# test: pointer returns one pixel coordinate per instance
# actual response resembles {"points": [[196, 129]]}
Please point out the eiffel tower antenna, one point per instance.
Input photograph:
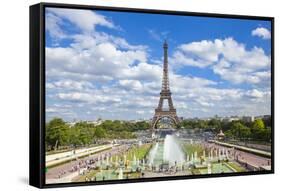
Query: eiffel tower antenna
{"points": [[165, 94]]}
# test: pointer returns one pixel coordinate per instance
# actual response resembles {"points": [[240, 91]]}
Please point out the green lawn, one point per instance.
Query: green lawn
{"points": [[195, 171], [139, 151], [236, 166], [108, 174], [191, 148], [82, 178]]}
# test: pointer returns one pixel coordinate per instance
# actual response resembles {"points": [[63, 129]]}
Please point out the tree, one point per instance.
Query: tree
{"points": [[56, 133], [141, 125], [214, 124], [258, 130], [267, 121], [86, 132], [267, 134], [238, 130], [74, 137], [100, 132], [202, 124], [258, 124]]}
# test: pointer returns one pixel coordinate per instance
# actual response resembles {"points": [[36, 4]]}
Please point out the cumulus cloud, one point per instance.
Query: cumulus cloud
{"points": [[227, 58], [102, 60], [262, 32], [102, 75], [131, 84], [68, 84], [53, 23], [86, 20]]}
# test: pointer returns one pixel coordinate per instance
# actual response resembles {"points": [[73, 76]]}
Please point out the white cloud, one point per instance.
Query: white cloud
{"points": [[58, 110], [122, 43], [137, 85], [179, 82], [53, 26], [227, 58], [87, 97], [140, 112], [131, 84], [100, 75], [69, 85], [206, 50], [51, 110], [85, 41], [256, 94], [86, 20], [102, 60], [262, 32], [155, 35]]}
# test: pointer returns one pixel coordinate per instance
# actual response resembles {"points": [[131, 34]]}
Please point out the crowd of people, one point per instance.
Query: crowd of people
{"points": [[92, 162]]}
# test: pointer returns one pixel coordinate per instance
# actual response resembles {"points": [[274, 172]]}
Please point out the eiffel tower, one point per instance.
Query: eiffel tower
{"points": [[165, 94]]}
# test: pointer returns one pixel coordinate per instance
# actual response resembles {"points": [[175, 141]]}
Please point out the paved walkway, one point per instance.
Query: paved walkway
{"points": [[243, 148], [251, 159], [148, 174], [66, 156], [64, 172], [64, 179]]}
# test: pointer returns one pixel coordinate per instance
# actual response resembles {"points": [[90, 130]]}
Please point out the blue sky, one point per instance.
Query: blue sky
{"points": [[109, 64]]}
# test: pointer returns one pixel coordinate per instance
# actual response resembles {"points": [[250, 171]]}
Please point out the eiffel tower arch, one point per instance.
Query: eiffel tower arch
{"points": [[165, 94]]}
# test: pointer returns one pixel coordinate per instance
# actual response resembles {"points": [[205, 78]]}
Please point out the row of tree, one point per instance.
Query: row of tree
{"points": [[59, 133], [259, 129]]}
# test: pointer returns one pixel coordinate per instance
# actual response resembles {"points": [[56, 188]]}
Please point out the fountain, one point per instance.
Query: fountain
{"points": [[226, 154], [134, 160], [107, 160], [195, 156], [209, 168], [116, 161], [98, 162], [120, 174], [102, 161], [125, 158], [152, 153], [217, 153], [172, 151]]}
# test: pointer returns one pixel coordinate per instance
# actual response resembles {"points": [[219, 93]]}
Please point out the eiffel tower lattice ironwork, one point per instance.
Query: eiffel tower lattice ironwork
{"points": [[165, 94]]}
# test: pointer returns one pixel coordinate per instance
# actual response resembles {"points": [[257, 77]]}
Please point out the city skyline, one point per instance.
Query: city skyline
{"points": [[100, 64]]}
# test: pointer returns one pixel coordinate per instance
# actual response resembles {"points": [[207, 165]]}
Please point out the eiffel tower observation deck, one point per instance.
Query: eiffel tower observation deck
{"points": [[165, 94]]}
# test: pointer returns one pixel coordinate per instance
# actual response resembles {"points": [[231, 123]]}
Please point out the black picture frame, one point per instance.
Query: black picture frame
{"points": [[37, 92]]}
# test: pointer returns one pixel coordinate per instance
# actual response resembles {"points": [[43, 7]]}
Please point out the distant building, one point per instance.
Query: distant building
{"points": [[265, 117], [97, 122], [220, 135], [248, 118], [230, 119], [71, 124]]}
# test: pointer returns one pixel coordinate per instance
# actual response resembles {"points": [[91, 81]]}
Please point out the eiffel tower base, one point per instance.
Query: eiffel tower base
{"points": [[162, 114]]}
